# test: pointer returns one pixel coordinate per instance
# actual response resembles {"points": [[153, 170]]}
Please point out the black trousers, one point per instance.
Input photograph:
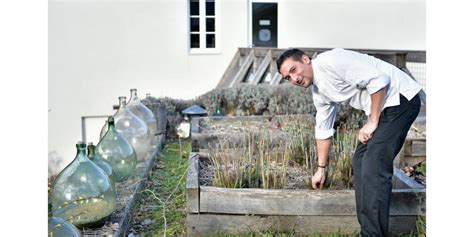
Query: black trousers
{"points": [[373, 166]]}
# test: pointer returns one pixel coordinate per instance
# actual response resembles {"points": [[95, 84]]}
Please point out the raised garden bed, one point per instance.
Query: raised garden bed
{"points": [[299, 210], [212, 209]]}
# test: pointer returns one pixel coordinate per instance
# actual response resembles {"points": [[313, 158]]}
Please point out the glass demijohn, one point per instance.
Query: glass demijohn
{"points": [[133, 129], [103, 164], [118, 152], [58, 227], [143, 112], [104, 129], [82, 193]]}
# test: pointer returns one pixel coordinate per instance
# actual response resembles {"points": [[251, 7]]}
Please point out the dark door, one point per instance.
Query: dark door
{"points": [[264, 24]]}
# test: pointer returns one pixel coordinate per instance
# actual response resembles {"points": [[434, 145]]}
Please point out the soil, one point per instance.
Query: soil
{"points": [[297, 177]]}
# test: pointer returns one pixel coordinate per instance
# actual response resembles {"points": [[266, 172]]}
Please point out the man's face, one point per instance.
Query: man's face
{"points": [[298, 73]]}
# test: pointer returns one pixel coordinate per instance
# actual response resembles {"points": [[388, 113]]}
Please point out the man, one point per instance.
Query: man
{"points": [[388, 97]]}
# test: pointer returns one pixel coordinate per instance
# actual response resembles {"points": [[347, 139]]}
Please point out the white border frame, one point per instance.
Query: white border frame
{"points": [[202, 32]]}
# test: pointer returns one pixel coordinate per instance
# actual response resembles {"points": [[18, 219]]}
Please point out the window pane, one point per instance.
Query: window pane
{"points": [[194, 24], [210, 24], [210, 8], [194, 7], [210, 40], [194, 40]]}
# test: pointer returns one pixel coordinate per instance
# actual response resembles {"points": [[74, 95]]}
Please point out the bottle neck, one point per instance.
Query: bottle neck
{"points": [[122, 102], [81, 150], [133, 95], [90, 151], [110, 122]]}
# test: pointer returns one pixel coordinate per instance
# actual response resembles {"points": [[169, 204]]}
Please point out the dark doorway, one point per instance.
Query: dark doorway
{"points": [[264, 24]]}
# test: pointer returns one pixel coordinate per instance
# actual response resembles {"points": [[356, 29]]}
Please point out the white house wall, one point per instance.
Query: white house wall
{"points": [[100, 49], [368, 24]]}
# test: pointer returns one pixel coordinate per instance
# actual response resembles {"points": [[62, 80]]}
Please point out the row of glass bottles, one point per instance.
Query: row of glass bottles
{"points": [[136, 123], [84, 192]]}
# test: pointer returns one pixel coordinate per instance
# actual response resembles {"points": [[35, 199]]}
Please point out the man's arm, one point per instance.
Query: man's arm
{"points": [[377, 102], [323, 147]]}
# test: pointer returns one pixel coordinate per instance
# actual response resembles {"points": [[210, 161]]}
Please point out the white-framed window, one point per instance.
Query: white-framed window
{"points": [[203, 27]]}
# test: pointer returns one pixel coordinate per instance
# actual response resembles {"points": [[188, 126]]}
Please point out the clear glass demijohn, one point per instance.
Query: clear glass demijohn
{"points": [[82, 193], [103, 164], [143, 112], [133, 129], [58, 227], [104, 129], [118, 152]]}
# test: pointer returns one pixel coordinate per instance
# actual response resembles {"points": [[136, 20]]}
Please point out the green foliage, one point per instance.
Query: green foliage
{"points": [[259, 99], [421, 168], [250, 165], [244, 100], [420, 228], [173, 106], [275, 100], [167, 191], [340, 163], [261, 159]]}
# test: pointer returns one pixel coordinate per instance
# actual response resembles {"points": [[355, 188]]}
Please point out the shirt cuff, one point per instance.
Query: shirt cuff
{"points": [[323, 134]]}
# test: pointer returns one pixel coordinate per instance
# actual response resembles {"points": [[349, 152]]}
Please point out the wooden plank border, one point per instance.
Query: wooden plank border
{"points": [[214, 224], [300, 202], [192, 184]]}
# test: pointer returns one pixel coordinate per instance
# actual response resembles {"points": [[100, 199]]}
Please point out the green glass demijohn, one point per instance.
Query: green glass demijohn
{"points": [[143, 112], [82, 193], [58, 227], [133, 129], [103, 164], [118, 152]]}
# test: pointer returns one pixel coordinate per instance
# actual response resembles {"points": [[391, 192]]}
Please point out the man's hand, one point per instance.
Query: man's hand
{"points": [[318, 178], [378, 100], [366, 132]]}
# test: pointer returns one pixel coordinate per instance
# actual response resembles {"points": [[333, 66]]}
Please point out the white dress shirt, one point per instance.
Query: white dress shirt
{"points": [[343, 75]]}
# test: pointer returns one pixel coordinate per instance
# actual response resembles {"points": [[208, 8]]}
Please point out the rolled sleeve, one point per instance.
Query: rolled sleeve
{"points": [[325, 118]]}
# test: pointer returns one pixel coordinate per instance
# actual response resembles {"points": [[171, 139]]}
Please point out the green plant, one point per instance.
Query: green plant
{"points": [[421, 168], [163, 200], [420, 227], [340, 166], [256, 163], [261, 161]]}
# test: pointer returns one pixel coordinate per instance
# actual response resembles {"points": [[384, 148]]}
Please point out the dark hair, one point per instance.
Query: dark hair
{"points": [[294, 54]]}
